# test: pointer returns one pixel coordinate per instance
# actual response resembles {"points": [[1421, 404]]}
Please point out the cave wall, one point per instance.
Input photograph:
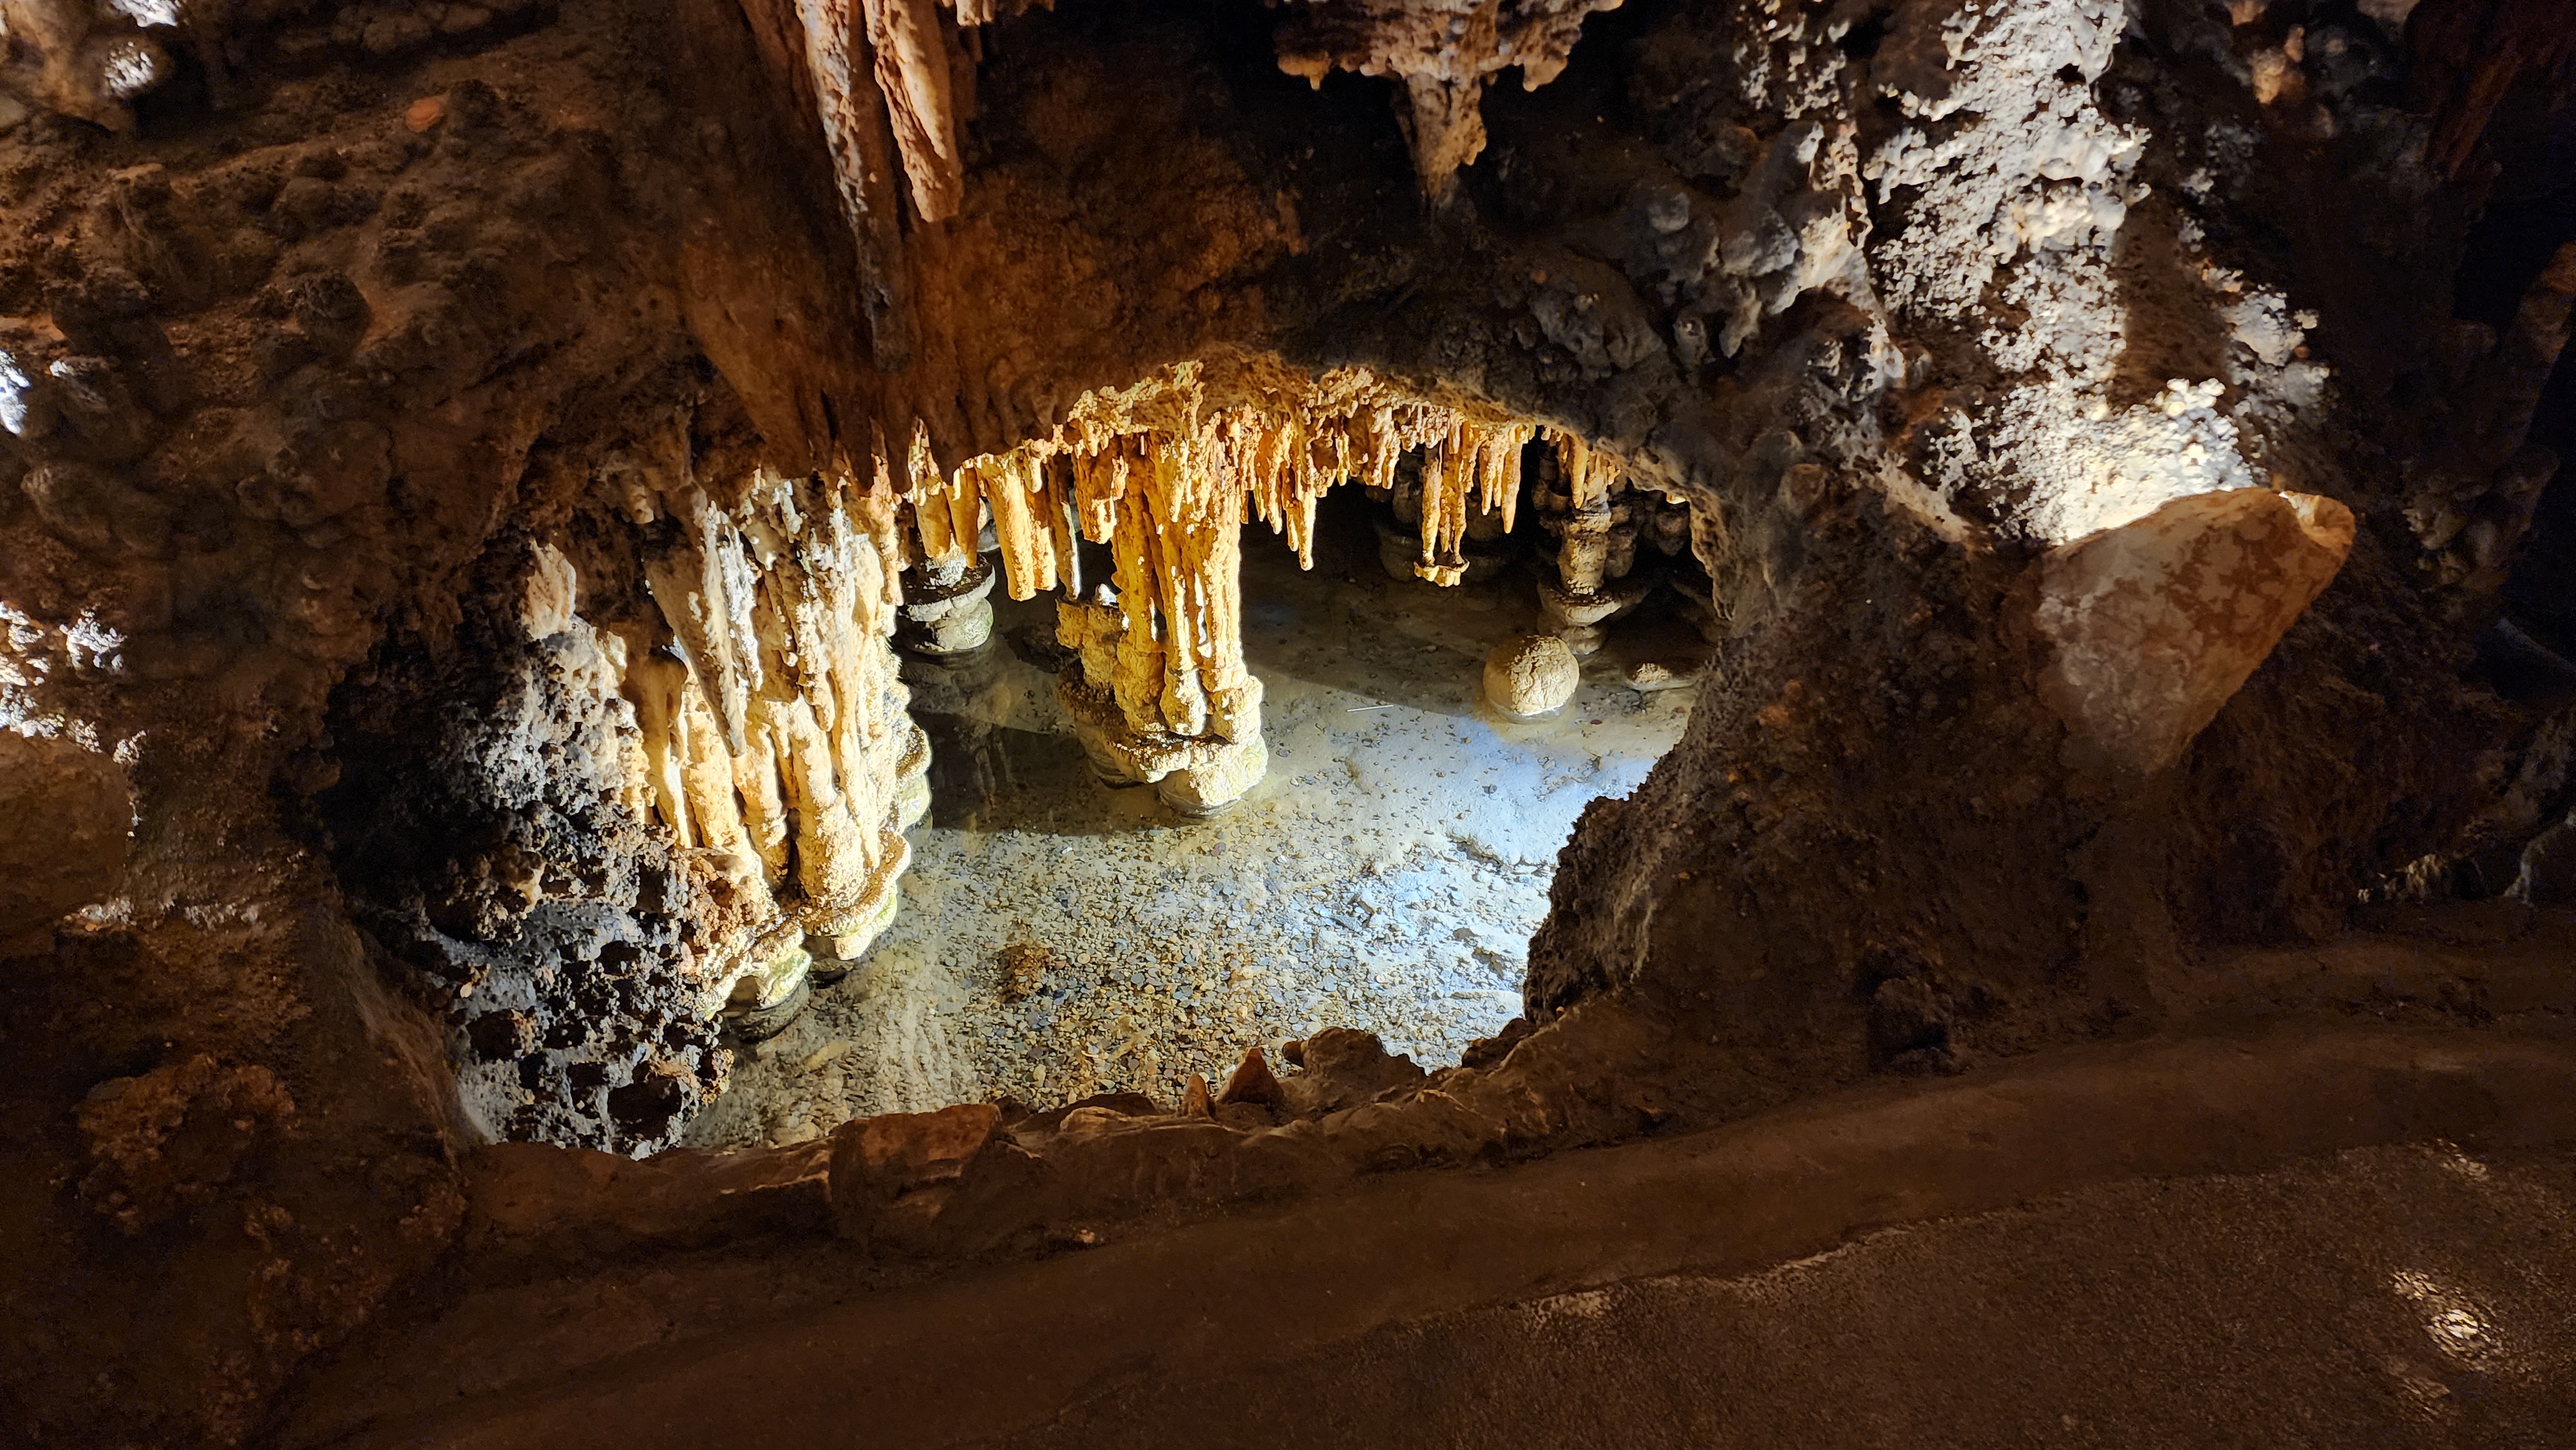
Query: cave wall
{"points": [[319, 348]]}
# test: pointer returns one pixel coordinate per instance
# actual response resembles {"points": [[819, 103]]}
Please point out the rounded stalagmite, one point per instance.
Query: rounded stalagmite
{"points": [[1531, 675]]}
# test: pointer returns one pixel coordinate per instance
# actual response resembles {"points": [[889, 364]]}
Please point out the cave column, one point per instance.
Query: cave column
{"points": [[1593, 552], [1160, 693], [946, 604], [778, 747]]}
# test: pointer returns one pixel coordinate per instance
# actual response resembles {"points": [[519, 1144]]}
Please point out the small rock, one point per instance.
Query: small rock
{"points": [[1487, 1051], [826, 1054], [303, 204], [1647, 676], [1531, 675], [1253, 1082], [1024, 968]]}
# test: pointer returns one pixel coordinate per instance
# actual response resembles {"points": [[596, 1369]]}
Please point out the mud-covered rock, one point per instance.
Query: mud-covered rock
{"points": [[87, 813]]}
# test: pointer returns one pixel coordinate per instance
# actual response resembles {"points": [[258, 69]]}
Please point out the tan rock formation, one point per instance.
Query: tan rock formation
{"points": [[1531, 675], [1164, 473], [1444, 54], [2157, 622], [774, 741]]}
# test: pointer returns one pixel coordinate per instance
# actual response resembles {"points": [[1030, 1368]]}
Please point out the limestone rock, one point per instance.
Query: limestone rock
{"points": [[1025, 965], [2549, 867], [1253, 1082], [1648, 676], [167, 1140], [2157, 622], [903, 1163], [1531, 675], [546, 609], [1341, 1067], [79, 59]]}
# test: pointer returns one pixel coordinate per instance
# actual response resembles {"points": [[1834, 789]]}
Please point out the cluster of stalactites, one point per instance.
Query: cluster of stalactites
{"points": [[892, 69], [1274, 464], [1167, 482], [1166, 639], [774, 742], [1444, 52]]}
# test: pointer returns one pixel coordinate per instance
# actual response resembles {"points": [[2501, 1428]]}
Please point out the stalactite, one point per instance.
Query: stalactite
{"points": [[1475, 462], [884, 76], [1443, 56], [1166, 479], [1277, 457], [916, 68], [856, 129], [776, 747]]}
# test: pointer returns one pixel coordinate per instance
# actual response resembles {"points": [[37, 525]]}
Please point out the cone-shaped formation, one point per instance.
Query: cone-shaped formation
{"points": [[1444, 54]]}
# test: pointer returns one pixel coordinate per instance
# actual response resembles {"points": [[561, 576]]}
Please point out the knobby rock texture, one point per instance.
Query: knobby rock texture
{"points": [[464, 469]]}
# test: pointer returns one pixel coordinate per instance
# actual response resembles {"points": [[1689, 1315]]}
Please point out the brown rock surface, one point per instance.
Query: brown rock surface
{"points": [[477, 544], [71, 815]]}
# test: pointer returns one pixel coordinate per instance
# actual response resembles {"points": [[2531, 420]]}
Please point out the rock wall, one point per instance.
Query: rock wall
{"points": [[464, 464]]}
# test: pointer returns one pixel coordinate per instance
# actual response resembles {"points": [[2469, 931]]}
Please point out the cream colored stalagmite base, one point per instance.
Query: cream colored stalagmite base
{"points": [[774, 743], [1164, 474]]}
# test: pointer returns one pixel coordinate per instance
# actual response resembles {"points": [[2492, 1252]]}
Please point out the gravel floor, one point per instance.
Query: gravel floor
{"points": [[1387, 873]]}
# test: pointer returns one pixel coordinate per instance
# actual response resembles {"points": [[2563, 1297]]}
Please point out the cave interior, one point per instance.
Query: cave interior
{"points": [[1355, 721]]}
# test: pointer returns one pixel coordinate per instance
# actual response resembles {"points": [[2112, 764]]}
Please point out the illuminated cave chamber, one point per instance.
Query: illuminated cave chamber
{"points": [[703, 707]]}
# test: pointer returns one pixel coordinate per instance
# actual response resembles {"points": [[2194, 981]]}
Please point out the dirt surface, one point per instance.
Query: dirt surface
{"points": [[2206, 1311]]}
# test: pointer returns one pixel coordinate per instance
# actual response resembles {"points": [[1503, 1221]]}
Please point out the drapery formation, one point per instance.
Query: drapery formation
{"points": [[773, 742]]}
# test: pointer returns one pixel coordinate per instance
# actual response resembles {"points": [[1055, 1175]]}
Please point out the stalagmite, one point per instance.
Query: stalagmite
{"points": [[1164, 695], [1590, 553], [1531, 675]]}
